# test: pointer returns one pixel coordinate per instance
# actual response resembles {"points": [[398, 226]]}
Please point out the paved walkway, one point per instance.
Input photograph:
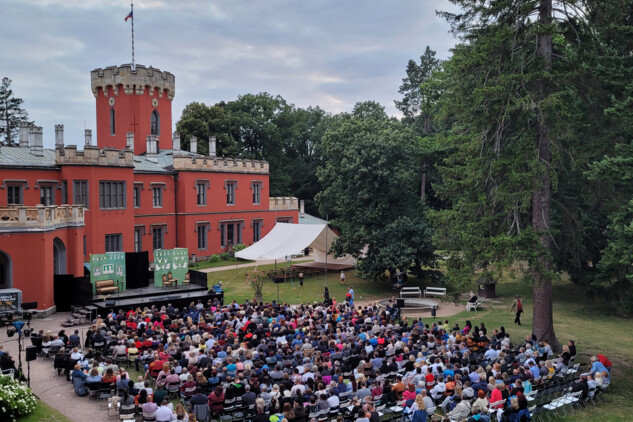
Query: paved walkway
{"points": [[50, 388]]}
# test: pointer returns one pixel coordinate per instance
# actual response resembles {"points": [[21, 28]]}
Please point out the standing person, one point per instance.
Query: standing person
{"points": [[350, 292], [301, 279], [517, 307], [326, 296], [342, 277]]}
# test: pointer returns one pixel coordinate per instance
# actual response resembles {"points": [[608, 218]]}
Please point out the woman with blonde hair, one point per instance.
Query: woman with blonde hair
{"points": [[181, 413], [418, 410]]}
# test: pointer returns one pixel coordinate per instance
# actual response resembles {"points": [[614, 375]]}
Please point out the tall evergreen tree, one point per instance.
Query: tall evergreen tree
{"points": [[11, 114], [507, 91]]}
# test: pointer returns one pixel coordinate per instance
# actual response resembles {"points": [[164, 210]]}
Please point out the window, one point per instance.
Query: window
{"points": [[80, 192], [284, 219], [15, 195], [112, 122], [158, 234], [111, 195], [230, 233], [257, 192], [138, 239], [47, 195], [155, 123], [203, 230], [85, 245], [113, 242], [136, 196], [64, 192], [257, 230], [201, 193], [157, 196], [230, 193]]}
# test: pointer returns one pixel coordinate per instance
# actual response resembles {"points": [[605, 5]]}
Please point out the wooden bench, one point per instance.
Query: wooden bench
{"points": [[105, 287], [408, 291], [435, 291], [474, 305]]}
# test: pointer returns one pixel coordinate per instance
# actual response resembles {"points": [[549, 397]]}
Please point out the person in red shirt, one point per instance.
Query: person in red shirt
{"points": [[606, 362], [154, 368]]}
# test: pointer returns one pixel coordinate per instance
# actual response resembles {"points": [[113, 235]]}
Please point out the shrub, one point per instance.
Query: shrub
{"points": [[225, 256], [16, 399], [239, 247], [214, 258]]}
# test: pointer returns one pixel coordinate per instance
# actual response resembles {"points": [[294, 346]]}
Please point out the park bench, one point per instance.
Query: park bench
{"points": [[474, 305], [435, 291], [410, 291], [105, 287]]}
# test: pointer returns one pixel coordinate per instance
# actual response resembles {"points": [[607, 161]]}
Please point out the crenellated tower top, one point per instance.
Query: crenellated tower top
{"points": [[138, 80]]}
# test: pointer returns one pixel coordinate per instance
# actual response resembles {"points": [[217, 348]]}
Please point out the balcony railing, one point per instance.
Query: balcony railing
{"points": [[40, 217]]}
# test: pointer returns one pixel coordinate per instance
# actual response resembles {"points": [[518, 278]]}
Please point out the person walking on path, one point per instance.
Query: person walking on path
{"points": [[350, 295], [342, 277], [517, 308]]}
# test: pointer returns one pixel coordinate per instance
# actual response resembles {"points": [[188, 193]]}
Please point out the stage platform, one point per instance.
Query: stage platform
{"points": [[331, 267], [147, 296]]}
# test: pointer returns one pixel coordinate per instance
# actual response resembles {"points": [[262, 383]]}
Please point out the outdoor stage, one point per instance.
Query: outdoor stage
{"points": [[158, 296]]}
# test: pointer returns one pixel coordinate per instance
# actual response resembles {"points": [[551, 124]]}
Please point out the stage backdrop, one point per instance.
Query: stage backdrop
{"points": [[108, 266], [175, 261]]}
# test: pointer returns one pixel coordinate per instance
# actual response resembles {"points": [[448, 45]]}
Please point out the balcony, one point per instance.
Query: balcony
{"points": [[40, 218], [283, 203]]}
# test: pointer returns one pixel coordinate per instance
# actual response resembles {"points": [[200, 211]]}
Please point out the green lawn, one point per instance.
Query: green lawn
{"points": [[236, 288], [44, 413]]}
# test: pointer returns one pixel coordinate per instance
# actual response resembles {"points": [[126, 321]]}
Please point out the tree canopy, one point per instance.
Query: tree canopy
{"points": [[11, 114]]}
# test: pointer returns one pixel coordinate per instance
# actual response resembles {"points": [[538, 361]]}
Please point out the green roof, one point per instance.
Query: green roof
{"points": [[22, 157], [310, 219]]}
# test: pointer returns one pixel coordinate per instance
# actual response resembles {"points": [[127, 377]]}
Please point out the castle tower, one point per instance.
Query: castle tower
{"points": [[133, 100]]}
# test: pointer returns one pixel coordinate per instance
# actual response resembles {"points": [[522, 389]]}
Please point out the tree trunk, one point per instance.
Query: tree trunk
{"points": [[543, 321]]}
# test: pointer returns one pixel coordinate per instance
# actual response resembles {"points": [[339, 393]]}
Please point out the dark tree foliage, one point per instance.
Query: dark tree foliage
{"points": [[11, 114], [369, 173]]}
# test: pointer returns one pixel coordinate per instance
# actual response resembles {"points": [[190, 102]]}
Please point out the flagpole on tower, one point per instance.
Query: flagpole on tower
{"points": [[132, 13]]}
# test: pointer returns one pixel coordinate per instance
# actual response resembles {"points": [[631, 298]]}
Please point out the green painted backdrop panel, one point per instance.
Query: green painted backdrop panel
{"points": [[108, 266], [170, 260]]}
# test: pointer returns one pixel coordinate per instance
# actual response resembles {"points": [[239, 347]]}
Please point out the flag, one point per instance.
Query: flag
{"points": [[129, 16]]}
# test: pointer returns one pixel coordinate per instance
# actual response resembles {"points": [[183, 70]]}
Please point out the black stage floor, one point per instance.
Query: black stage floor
{"points": [[158, 296]]}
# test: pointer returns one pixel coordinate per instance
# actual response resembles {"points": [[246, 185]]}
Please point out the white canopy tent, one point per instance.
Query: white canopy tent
{"points": [[285, 240]]}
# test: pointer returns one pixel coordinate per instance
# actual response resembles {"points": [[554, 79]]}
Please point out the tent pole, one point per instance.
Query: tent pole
{"points": [[327, 249]]}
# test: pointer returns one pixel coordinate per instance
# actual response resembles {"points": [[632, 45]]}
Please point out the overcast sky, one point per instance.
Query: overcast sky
{"points": [[330, 53]]}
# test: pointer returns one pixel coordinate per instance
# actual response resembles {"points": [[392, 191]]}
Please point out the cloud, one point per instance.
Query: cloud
{"points": [[329, 53]]}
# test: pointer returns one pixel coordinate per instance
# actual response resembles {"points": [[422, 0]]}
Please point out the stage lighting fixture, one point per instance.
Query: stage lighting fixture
{"points": [[10, 332]]}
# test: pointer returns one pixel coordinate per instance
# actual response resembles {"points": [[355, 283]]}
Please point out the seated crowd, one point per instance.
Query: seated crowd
{"points": [[297, 362]]}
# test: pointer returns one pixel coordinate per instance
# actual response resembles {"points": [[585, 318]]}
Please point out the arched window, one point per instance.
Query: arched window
{"points": [[112, 122], [155, 123]]}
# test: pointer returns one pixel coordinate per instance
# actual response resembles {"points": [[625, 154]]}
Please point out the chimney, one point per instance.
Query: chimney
{"points": [[59, 136], [302, 208], [37, 147], [24, 134], [129, 141], [176, 141], [212, 146], [152, 148], [193, 144], [88, 136]]}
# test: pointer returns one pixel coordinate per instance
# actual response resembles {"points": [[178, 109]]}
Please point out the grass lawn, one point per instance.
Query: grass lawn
{"points": [[223, 263], [236, 288], [44, 413]]}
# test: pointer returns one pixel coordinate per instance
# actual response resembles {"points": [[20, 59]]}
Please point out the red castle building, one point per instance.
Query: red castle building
{"points": [[136, 190]]}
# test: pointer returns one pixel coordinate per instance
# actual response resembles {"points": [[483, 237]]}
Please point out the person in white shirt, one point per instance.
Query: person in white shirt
{"points": [[164, 413]]}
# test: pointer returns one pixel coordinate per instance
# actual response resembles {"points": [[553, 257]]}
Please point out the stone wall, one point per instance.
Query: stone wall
{"points": [[133, 81], [218, 164], [92, 155]]}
